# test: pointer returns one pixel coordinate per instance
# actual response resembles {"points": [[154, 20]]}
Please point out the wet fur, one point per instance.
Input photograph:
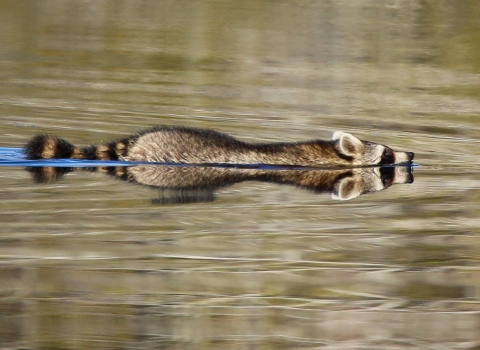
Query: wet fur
{"points": [[176, 144]]}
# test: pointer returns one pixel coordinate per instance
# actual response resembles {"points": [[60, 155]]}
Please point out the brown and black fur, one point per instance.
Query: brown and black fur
{"points": [[180, 184], [49, 147], [176, 144]]}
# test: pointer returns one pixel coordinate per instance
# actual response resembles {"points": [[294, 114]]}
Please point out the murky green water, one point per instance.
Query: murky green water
{"points": [[90, 262]]}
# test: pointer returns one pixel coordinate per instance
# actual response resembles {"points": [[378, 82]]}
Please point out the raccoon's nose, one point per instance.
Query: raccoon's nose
{"points": [[410, 155]]}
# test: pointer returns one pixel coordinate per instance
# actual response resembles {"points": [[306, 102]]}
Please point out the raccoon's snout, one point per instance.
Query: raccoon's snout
{"points": [[403, 158]]}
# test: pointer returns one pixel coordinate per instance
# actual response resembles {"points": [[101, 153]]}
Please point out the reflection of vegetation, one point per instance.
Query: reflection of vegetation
{"points": [[470, 91], [423, 255], [451, 33], [426, 291], [167, 61]]}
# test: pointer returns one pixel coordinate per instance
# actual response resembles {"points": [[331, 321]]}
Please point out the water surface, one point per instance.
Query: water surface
{"points": [[92, 262]]}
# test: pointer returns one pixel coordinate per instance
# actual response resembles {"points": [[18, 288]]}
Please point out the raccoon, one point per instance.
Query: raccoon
{"points": [[176, 144], [186, 184]]}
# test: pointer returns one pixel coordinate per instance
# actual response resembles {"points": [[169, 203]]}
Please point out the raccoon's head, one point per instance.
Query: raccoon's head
{"points": [[368, 153], [367, 180]]}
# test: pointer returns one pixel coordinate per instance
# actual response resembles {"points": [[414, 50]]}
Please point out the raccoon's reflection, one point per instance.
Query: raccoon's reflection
{"points": [[188, 184]]}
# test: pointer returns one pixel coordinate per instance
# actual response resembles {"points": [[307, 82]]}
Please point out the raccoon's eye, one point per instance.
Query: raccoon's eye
{"points": [[386, 175], [387, 156]]}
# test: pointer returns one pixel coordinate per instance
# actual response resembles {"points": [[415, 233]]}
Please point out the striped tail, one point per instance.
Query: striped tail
{"points": [[47, 147]]}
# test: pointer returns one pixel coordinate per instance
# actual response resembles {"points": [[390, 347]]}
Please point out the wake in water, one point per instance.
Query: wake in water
{"points": [[8, 154]]}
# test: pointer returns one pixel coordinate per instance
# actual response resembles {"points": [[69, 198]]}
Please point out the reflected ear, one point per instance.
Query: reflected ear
{"points": [[348, 188], [348, 144]]}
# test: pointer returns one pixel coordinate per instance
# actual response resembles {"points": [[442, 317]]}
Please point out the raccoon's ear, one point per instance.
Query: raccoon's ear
{"points": [[348, 144], [347, 188]]}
